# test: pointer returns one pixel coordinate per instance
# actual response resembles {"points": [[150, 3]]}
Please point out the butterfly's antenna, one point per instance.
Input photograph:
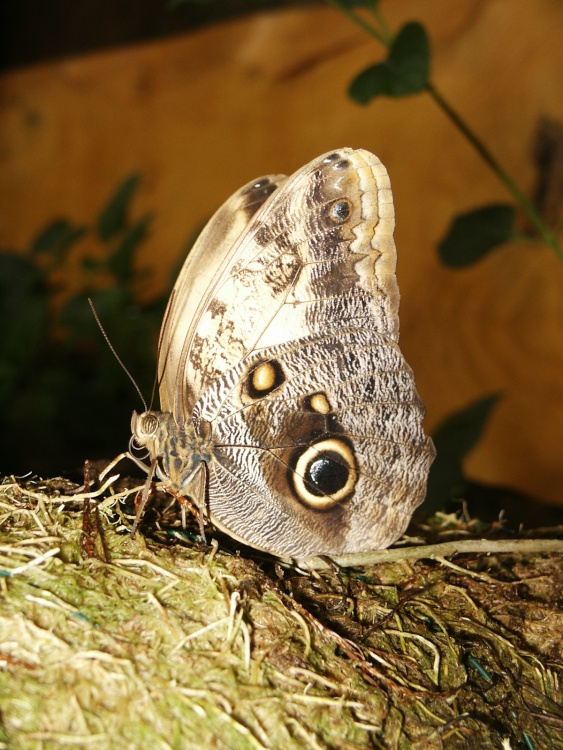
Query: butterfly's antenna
{"points": [[158, 378], [154, 384], [115, 354]]}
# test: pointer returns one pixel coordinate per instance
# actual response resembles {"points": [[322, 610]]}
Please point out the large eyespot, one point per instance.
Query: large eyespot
{"points": [[339, 211], [324, 473], [264, 378]]}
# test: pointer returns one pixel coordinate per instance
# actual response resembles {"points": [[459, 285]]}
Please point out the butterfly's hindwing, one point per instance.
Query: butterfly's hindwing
{"points": [[355, 390]]}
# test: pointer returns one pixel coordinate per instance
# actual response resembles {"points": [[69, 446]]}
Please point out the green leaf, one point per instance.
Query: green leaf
{"points": [[475, 233], [460, 432], [56, 238], [114, 215], [454, 439], [120, 262], [405, 71]]}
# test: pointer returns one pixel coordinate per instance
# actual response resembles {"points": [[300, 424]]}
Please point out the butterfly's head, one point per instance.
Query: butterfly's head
{"points": [[155, 431], [178, 448], [146, 427]]}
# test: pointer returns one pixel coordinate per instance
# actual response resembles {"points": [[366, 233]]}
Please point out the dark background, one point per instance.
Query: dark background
{"points": [[36, 30]]}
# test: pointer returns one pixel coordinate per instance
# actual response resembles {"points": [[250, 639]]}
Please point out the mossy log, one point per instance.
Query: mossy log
{"points": [[162, 641]]}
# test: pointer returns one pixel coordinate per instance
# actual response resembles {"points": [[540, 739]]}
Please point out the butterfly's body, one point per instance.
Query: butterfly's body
{"points": [[279, 368]]}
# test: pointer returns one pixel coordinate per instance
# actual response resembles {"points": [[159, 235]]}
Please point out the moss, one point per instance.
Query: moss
{"points": [[156, 641]]}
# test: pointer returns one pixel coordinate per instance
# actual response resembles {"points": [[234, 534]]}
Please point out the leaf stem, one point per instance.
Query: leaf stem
{"points": [[385, 28], [504, 177], [382, 36]]}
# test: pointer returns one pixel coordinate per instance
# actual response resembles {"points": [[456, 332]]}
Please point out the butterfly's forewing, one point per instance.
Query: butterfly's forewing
{"points": [[194, 288]]}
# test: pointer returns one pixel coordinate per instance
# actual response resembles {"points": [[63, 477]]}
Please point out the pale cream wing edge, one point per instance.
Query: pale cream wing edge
{"points": [[205, 261], [382, 274]]}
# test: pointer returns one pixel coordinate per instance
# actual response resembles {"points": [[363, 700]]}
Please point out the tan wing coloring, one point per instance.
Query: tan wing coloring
{"points": [[280, 368]]}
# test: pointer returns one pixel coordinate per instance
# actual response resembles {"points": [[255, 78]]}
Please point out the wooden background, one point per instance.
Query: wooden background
{"points": [[201, 113]]}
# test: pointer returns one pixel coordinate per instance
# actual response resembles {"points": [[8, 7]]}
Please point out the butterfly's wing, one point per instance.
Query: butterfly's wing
{"points": [[207, 261], [331, 459], [287, 347], [282, 257]]}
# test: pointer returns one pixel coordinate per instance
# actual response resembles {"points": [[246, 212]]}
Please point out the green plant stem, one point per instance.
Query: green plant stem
{"points": [[504, 177], [384, 36], [385, 28]]}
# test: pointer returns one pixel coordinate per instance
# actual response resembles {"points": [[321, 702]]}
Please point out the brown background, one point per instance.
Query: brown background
{"points": [[201, 113]]}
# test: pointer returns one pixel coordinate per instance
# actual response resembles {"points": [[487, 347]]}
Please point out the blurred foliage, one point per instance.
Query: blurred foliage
{"points": [[475, 233], [454, 438], [405, 71], [63, 395]]}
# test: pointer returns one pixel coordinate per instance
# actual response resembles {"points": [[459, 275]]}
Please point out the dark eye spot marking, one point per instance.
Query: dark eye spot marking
{"points": [[340, 211], [324, 473], [342, 164], [264, 378], [261, 183], [331, 157]]}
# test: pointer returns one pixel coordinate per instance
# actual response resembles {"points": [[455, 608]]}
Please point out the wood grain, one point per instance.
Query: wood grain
{"points": [[203, 113]]}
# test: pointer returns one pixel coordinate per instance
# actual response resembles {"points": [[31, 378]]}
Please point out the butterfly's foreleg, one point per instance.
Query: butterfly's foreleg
{"points": [[146, 489]]}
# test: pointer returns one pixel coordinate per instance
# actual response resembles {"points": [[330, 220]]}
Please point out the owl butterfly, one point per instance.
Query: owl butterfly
{"points": [[289, 414]]}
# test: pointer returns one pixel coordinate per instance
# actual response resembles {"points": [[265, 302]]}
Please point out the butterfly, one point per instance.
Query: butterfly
{"points": [[289, 415]]}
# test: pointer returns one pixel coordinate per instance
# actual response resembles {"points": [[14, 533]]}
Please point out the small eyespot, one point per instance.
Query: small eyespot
{"points": [[267, 190], [340, 211], [149, 424], [324, 473], [331, 157], [258, 192], [342, 164], [264, 378], [319, 403]]}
